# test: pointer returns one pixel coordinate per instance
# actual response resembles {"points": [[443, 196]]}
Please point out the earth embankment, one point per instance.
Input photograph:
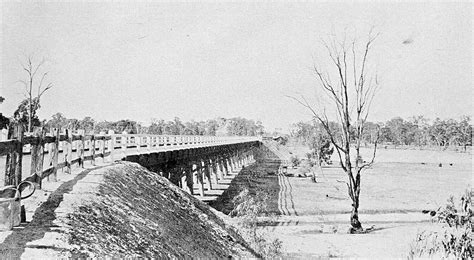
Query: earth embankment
{"points": [[124, 210], [136, 212]]}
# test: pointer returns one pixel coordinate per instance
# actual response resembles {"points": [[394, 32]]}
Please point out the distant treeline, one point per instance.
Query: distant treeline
{"points": [[220, 126], [418, 131]]}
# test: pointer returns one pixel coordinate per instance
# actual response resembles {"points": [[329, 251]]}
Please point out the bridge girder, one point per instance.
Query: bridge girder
{"points": [[201, 165]]}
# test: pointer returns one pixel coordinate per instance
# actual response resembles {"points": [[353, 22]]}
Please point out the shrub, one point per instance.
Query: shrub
{"points": [[249, 207], [294, 161], [305, 169], [455, 239]]}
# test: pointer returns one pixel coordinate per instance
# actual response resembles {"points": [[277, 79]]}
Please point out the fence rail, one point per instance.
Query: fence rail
{"points": [[38, 144]]}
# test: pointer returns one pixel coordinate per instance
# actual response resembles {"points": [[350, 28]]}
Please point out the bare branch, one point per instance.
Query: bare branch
{"points": [[50, 85], [375, 151]]}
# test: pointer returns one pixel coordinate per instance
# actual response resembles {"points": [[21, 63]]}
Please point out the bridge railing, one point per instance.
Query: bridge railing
{"points": [[142, 140], [26, 152]]}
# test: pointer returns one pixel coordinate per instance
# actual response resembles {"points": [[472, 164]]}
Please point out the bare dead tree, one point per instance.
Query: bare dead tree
{"points": [[351, 93], [34, 85]]}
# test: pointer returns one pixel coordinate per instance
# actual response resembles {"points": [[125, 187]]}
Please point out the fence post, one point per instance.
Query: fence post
{"points": [[123, 142], [19, 153], [92, 148], [102, 149], [111, 146], [80, 148], [68, 148], [138, 142], [149, 142], [54, 157], [13, 163], [37, 155]]}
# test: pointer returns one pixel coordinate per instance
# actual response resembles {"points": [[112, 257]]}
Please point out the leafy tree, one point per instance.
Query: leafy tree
{"points": [[260, 129], [25, 114], [157, 127], [397, 129], [438, 132], [125, 125], [4, 121], [421, 135], [58, 121], [175, 127], [371, 132], [211, 127], [315, 136], [465, 132], [241, 126], [87, 124]]}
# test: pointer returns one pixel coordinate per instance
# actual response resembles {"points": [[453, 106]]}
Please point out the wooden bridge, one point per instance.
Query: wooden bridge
{"points": [[187, 161]]}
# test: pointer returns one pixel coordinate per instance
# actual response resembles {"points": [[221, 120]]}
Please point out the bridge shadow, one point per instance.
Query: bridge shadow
{"points": [[259, 178], [42, 222]]}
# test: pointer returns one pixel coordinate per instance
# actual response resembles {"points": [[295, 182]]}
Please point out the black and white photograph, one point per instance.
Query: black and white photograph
{"points": [[139, 129]]}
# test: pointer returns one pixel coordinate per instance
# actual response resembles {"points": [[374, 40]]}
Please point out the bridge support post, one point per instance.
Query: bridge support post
{"points": [[236, 162], [182, 181], [240, 163], [233, 161], [200, 180], [226, 164], [207, 174], [181, 177], [220, 164], [212, 171], [229, 162], [189, 179], [217, 174], [244, 158]]}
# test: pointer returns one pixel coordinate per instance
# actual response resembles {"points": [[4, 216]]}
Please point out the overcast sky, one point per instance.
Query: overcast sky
{"points": [[200, 61]]}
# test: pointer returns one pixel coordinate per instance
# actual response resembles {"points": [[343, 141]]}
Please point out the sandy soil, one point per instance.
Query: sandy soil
{"points": [[42, 234], [314, 216]]}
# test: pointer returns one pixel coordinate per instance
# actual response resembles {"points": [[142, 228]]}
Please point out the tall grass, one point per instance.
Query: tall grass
{"points": [[248, 207], [455, 240]]}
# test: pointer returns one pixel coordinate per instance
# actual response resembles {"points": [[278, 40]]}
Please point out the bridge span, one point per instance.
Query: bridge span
{"points": [[197, 164]]}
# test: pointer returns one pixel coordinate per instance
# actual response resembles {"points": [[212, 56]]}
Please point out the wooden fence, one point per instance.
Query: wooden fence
{"points": [[38, 144]]}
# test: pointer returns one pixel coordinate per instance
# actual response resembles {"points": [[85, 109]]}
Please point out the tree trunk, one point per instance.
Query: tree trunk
{"points": [[313, 176], [355, 223], [30, 115], [318, 163]]}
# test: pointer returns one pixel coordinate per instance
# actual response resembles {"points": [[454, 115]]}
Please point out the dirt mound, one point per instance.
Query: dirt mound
{"points": [[126, 210]]}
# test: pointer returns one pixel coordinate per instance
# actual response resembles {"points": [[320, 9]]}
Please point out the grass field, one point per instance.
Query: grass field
{"points": [[397, 182]]}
